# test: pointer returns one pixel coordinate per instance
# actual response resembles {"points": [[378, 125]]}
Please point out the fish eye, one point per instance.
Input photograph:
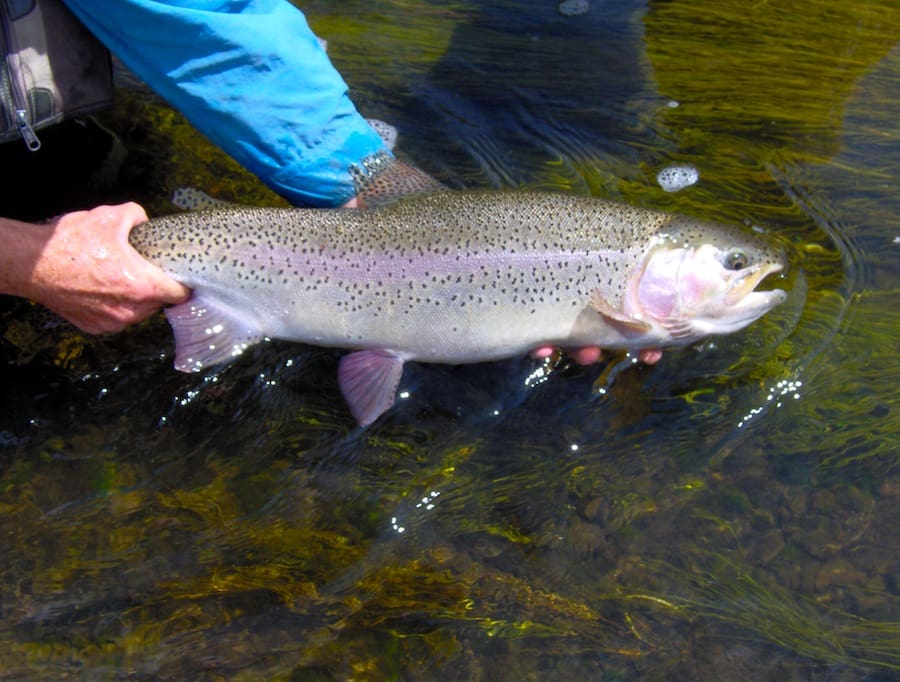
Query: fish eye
{"points": [[736, 260]]}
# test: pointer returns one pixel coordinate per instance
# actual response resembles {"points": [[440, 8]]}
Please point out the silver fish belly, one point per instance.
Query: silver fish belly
{"points": [[452, 277]]}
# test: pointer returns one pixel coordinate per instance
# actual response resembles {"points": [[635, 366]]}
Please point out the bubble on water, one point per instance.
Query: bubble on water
{"points": [[675, 178], [572, 8]]}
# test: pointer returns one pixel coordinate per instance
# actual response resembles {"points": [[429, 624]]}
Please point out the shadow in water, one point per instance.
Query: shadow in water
{"points": [[524, 96]]}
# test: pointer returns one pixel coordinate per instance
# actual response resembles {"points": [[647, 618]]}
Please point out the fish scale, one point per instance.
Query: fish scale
{"points": [[449, 277]]}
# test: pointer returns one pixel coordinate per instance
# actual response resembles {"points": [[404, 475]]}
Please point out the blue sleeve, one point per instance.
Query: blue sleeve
{"points": [[252, 77]]}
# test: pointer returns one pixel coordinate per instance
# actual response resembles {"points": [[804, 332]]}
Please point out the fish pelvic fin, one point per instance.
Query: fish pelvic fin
{"points": [[368, 381], [618, 318], [208, 332], [380, 179]]}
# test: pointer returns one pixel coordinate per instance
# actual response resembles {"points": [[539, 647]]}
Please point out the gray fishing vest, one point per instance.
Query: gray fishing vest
{"points": [[53, 69]]}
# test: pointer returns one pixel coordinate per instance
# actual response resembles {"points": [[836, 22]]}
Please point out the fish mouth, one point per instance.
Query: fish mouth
{"points": [[742, 288]]}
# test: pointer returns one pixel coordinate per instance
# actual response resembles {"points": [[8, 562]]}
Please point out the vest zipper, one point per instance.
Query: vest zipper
{"points": [[26, 131], [19, 99]]}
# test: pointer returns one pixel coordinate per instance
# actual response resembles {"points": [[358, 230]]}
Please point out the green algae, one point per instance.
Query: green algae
{"points": [[733, 595]]}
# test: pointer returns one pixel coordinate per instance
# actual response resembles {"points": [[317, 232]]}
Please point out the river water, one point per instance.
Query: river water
{"points": [[730, 513]]}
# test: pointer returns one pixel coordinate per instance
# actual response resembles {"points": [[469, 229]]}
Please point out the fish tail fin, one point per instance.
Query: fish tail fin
{"points": [[381, 179]]}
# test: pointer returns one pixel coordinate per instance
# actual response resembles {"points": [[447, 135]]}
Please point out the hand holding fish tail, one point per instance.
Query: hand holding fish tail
{"points": [[81, 266]]}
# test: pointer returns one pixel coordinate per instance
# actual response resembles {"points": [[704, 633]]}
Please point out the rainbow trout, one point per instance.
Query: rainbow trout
{"points": [[453, 277]]}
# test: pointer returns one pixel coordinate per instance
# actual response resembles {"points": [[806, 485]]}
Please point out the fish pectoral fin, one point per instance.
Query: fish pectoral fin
{"points": [[677, 327], [369, 380], [208, 332], [599, 304]]}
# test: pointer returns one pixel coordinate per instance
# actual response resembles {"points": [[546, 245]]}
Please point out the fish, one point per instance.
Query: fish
{"points": [[453, 277]]}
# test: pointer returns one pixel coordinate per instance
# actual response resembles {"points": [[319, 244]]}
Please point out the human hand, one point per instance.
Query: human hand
{"points": [[588, 355], [81, 266]]}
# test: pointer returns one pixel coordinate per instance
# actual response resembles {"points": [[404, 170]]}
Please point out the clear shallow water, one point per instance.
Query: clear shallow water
{"points": [[730, 512]]}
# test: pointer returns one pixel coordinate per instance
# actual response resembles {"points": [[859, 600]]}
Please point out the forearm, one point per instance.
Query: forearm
{"points": [[23, 245], [253, 79]]}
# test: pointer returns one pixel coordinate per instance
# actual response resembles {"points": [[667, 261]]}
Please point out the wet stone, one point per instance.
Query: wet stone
{"points": [[586, 539], [593, 509], [890, 487], [767, 547], [817, 541], [839, 571], [822, 501]]}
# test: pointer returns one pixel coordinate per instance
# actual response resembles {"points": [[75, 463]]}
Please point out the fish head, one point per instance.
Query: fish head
{"points": [[699, 279]]}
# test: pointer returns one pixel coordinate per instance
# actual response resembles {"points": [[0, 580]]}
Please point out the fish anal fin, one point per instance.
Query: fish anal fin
{"points": [[600, 305], [208, 332], [368, 381]]}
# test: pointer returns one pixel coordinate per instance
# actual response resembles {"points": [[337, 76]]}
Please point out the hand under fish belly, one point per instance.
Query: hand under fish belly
{"points": [[454, 277]]}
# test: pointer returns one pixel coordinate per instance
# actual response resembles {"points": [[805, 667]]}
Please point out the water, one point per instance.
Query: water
{"points": [[730, 512]]}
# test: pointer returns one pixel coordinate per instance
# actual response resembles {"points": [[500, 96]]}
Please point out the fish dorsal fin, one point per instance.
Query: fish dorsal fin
{"points": [[369, 380], [380, 179], [193, 199], [208, 332], [617, 317]]}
